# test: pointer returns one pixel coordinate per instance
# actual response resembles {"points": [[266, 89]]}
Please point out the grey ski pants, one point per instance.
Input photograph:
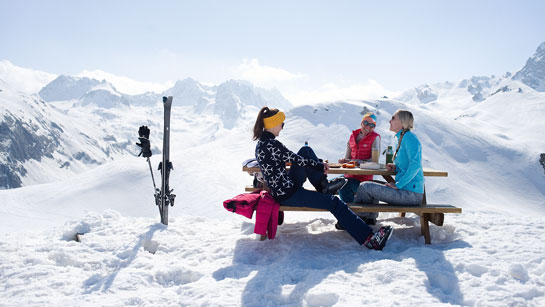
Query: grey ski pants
{"points": [[372, 193]]}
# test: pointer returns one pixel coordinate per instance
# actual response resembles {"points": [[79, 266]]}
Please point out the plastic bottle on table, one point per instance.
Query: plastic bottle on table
{"points": [[389, 155]]}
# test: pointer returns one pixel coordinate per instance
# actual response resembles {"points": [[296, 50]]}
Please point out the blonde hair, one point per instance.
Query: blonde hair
{"points": [[406, 118]]}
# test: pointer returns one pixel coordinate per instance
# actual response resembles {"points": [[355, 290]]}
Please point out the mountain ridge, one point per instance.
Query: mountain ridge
{"points": [[95, 123]]}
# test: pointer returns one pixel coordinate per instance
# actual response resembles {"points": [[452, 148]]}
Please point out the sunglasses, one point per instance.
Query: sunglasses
{"points": [[282, 125], [371, 125]]}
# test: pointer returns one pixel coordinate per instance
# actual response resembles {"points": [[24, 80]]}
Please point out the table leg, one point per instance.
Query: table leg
{"points": [[436, 218], [425, 228]]}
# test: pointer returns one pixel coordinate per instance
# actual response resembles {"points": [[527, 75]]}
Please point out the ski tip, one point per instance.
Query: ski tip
{"points": [[167, 99]]}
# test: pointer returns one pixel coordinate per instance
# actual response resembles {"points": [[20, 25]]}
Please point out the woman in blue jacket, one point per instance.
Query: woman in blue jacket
{"points": [[286, 187], [408, 188]]}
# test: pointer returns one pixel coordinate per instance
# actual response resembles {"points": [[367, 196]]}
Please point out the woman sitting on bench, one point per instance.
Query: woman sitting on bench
{"points": [[409, 185], [287, 187]]}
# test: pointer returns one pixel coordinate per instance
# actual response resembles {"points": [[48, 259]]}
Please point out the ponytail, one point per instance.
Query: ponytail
{"points": [[259, 125], [399, 143]]}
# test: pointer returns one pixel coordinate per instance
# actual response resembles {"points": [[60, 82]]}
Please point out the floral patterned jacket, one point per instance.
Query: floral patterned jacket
{"points": [[272, 156]]}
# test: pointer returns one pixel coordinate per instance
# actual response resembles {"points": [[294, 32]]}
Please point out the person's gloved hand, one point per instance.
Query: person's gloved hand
{"points": [[144, 144]]}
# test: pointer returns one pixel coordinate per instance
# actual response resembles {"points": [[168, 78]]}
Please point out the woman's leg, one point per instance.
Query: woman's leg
{"points": [[347, 195], [299, 174], [347, 192], [372, 193], [350, 221]]}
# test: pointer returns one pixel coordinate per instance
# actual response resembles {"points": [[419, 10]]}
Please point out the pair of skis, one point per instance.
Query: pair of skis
{"points": [[163, 196]]}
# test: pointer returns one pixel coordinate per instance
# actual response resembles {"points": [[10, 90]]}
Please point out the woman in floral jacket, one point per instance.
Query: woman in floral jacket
{"points": [[286, 187]]}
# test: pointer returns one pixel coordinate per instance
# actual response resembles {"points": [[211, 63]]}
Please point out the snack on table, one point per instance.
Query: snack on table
{"points": [[348, 165], [334, 165]]}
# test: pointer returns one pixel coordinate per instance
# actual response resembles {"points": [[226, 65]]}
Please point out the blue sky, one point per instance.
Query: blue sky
{"points": [[304, 48]]}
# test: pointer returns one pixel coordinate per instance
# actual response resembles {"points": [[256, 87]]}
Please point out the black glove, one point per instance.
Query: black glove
{"points": [[144, 144], [143, 132]]}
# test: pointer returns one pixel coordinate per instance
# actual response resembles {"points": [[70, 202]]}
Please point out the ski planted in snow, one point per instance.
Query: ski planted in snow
{"points": [[163, 196]]}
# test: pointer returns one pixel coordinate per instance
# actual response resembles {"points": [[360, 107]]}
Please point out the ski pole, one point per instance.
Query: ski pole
{"points": [[151, 171]]}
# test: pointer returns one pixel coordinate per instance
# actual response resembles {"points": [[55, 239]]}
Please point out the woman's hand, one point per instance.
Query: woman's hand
{"points": [[391, 167], [326, 167], [343, 160], [391, 185]]}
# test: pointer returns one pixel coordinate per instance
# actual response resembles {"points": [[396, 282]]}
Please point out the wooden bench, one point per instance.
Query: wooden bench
{"points": [[434, 213], [428, 213]]}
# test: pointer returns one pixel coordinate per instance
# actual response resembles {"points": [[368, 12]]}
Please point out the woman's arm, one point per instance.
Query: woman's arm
{"points": [[289, 156], [347, 154]]}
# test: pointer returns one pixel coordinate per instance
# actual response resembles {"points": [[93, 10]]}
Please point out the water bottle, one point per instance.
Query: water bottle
{"points": [[389, 155]]}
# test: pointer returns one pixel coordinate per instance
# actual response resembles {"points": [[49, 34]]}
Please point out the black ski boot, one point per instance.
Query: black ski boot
{"points": [[332, 186]]}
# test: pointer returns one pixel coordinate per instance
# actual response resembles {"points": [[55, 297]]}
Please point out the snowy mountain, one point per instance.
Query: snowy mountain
{"points": [[101, 121], [227, 100], [67, 88], [103, 95], [480, 88], [191, 93], [533, 73], [42, 142]]}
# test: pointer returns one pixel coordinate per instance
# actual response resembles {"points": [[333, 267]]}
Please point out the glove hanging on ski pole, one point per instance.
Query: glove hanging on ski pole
{"points": [[144, 144]]}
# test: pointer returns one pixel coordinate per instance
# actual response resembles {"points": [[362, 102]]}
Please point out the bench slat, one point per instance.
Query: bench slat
{"points": [[429, 208]]}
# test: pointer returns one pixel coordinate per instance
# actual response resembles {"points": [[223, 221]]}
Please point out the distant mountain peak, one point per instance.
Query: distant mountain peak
{"points": [[541, 47], [533, 73], [104, 95], [67, 87]]}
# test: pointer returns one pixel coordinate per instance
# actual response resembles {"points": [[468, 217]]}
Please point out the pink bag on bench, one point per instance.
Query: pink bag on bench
{"points": [[266, 218], [243, 204]]}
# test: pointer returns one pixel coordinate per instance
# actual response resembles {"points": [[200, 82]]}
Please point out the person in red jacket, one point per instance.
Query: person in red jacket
{"points": [[358, 149]]}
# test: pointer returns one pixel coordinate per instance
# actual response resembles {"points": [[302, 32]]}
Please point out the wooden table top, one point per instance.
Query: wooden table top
{"points": [[359, 171]]}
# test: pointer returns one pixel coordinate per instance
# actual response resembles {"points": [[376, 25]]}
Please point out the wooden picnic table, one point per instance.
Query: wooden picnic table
{"points": [[428, 212]]}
